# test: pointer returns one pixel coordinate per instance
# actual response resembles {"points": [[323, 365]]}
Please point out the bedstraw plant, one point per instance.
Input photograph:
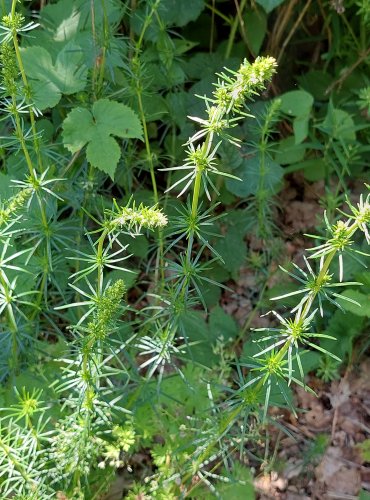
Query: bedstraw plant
{"points": [[108, 345]]}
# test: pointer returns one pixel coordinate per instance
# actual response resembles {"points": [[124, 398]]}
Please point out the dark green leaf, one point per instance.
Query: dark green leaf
{"points": [[180, 12], [50, 80], [250, 173], [316, 82], [255, 23], [289, 152], [222, 325]]}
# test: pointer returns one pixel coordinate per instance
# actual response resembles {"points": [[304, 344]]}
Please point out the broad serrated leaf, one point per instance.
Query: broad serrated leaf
{"points": [[48, 80], [77, 129], [193, 326], [96, 128], [115, 118], [316, 82], [180, 12], [66, 18], [232, 249]]}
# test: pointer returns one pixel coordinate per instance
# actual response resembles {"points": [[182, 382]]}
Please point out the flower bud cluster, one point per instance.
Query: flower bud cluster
{"points": [[13, 204], [106, 313], [232, 92], [137, 218], [13, 22], [9, 69], [361, 214], [124, 440], [71, 452]]}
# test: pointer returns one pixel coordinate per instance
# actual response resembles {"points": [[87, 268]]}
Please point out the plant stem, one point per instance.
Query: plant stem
{"points": [[99, 259], [26, 87], [234, 27], [7, 451], [159, 267]]}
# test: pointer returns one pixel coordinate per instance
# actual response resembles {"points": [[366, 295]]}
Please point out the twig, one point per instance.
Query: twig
{"points": [[292, 31], [348, 71]]}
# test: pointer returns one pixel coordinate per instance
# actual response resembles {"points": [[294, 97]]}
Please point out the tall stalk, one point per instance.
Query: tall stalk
{"points": [[136, 66], [296, 330]]}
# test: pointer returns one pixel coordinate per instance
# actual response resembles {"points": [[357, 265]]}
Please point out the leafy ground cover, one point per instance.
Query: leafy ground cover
{"points": [[184, 233]]}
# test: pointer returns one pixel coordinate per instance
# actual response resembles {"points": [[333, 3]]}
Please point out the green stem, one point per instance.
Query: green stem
{"points": [[196, 196], [13, 360], [99, 259], [26, 87], [147, 145], [16, 464], [234, 27], [147, 22], [159, 267], [214, 10], [20, 136]]}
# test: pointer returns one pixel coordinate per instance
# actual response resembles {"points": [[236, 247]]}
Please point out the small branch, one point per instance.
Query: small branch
{"points": [[348, 72]]}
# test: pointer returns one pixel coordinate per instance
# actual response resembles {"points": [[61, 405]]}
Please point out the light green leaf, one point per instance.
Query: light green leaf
{"points": [[269, 5], [364, 495], [296, 103], [77, 129], [339, 124], [95, 128], [67, 18], [238, 487], [48, 81], [364, 448]]}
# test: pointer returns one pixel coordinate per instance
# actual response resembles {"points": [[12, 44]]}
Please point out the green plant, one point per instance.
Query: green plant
{"points": [[112, 338]]}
